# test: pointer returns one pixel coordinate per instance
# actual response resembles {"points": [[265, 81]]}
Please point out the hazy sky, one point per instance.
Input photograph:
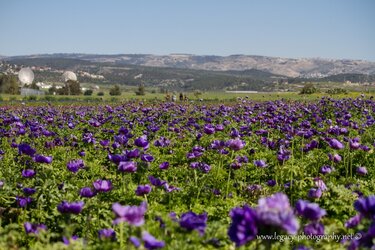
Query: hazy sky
{"points": [[285, 28]]}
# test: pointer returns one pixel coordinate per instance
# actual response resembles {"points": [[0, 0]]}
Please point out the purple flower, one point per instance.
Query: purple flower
{"points": [[102, 185], [70, 208], [1, 184], [28, 173], [33, 228], [25, 148], [354, 144], [42, 159], [164, 165], [75, 165], [23, 201], [135, 153], [310, 211], [353, 221], [142, 142], [335, 158], [68, 241], [235, 144], [107, 233], [104, 143], [319, 183], [156, 181], [151, 242], [192, 221], [135, 241], [361, 170], [366, 206], [314, 193], [29, 191], [314, 228], [127, 166], [260, 163], [147, 158], [271, 183], [326, 169], [244, 225], [143, 189], [87, 192], [170, 188], [134, 215], [209, 129], [275, 210], [335, 144]]}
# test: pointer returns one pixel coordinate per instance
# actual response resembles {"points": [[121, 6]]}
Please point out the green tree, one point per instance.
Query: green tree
{"points": [[141, 90], [309, 89], [115, 90], [88, 92], [9, 85], [71, 88]]}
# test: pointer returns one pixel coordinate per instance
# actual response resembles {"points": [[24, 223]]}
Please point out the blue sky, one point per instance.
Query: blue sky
{"points": [[285, 28]]}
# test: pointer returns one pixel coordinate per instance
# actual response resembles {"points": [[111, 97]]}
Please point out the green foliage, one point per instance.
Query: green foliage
{"points": [[88, 92], [115, 90], [71, 88], [9, 84], [141, 90], [309, 89], [337, 91]]}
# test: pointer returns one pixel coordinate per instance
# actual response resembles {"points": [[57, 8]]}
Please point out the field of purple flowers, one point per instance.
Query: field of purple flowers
{"points": [[183, 176]]}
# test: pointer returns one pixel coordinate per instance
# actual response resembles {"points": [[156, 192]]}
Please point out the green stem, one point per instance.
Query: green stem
{"points": [[227, 192]]}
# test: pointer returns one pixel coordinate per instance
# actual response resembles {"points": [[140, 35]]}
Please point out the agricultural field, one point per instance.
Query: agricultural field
{"points": [[264, 172]]}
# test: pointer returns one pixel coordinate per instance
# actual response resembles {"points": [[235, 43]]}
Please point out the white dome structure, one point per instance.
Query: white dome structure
{"points": [[26, 76], [69, 75]]}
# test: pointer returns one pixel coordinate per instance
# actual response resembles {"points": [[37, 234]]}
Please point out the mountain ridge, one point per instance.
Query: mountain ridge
{"points": [[290, 67]]}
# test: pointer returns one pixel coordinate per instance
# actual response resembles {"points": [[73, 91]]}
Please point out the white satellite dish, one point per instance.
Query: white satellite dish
{"points": [[69, 75], [26, 76]]}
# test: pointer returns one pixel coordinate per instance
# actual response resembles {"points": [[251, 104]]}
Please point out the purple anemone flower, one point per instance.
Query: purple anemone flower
{"points": [[127, 166], [142, 190], [135, 241], [107, 233], [29, 191], [366, 206], [134, 215], [361, 170], [156, 181], [150, 241], [75, 165], [326, 169], [271, 183], [164, 165], [102, 185], [314, 228], [235, 144], [23, 201], [87, 192], [244, 225], [70, 208], [353, 221], [310, 211], [192, 221], [26, 149], [335, 158], [31, 228], [147, 158], [260, 163], [67, 241], [319, 183], [335, 144], [315, 193], [142, 142], [275, 210], [28, 173], [43, 159]]}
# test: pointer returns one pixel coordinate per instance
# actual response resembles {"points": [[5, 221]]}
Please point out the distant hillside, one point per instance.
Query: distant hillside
{"points": [[161, 77], [305, 68]]}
